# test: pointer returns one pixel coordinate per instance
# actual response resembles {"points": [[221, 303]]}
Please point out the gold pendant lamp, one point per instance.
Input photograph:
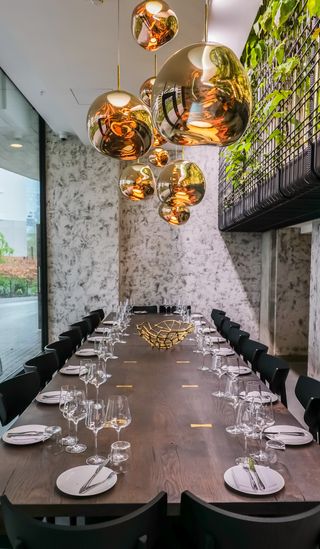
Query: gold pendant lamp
{"points": [[202, 95], [137, 182], [153, 24], [119, 123]]}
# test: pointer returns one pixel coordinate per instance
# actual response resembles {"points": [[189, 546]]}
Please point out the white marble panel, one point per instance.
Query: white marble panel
{"points": [[196, 262], [314, 319], [82, 227]]}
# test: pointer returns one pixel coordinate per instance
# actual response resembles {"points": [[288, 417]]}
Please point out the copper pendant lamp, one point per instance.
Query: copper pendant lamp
{"points": [[182, 182], [153, 24], [202, 95], [137, 182]]}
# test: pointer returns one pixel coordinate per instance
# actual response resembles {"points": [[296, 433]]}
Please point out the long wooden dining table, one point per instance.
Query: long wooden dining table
{"points": [[177, 435]]}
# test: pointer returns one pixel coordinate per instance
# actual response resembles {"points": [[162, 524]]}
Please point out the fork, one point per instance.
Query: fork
{"points": [[83, 490], [254, 485], [252, 468]]}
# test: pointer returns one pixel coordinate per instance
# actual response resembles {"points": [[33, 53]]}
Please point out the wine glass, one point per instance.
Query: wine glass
{"points": [[105, 354], [98, 376], [65, 394], [118, 413], [95, 421], [205, 351], [244, 423], [76, 409], [234, 387], [218, 369], [264, 417], [85, 373]]}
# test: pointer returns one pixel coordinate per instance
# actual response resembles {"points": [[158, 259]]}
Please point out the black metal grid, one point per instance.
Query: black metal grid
{"points": [[285, 167]]}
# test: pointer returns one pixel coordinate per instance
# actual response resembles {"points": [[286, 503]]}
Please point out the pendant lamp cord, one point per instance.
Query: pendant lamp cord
{"points": [[118, 48], [206, 19], [155, 65]]}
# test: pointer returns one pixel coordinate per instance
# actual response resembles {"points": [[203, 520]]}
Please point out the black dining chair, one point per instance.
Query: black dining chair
{"points": [[226, 325], [206, 526], [141, 529], [75, 336], [93, 320], [250, 349], [63, 348], [84, 327], [219, 320], [234, 337], [151, 309], [45, 364], [215, 313], [274, 371], [100, 313], [16, 394], [307, 391]]}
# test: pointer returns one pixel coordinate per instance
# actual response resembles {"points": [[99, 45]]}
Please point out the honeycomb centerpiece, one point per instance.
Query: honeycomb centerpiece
{"points": [[165, 334]]}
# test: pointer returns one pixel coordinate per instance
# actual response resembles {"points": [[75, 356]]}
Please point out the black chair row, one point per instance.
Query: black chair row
{"points": [[153, 309], [272, 370], [202, 526]]}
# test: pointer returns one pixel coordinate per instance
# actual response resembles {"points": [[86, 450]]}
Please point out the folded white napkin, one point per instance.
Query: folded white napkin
{"points": [[242, 480]]}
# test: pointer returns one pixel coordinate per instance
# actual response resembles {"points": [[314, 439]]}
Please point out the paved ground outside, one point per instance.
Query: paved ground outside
{"points": [[20, 337]]}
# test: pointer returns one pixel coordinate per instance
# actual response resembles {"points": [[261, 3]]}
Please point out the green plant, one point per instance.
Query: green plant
{"points": [[5, 249], [279, 81]]}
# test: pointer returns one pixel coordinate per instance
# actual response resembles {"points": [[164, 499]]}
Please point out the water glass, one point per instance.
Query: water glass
{"points": [[95, 421], [120, 456]]}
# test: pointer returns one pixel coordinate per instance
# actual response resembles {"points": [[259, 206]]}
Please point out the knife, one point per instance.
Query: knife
{"points": [[86, 485], [288, 433], [97, 483]]}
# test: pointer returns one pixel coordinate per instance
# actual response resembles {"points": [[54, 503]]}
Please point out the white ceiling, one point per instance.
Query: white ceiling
{"points": [[62, 53]]}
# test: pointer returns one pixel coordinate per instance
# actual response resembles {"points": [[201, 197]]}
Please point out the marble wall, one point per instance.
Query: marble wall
{"points": [[83, 235], [195, 262], [314, 322]]}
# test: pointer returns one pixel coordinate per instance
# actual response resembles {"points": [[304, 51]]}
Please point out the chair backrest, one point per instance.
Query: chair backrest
{"points": [[63, 348], [209, 527], [93, 320], [275, 371], [152, 309], [226, 325], [75, 335], [84, 327], [16, 394], [308, 393], [250, 349], [215, 313], [140, 529], [219, 320], [100, 313], [234, 336], [45, 364]]}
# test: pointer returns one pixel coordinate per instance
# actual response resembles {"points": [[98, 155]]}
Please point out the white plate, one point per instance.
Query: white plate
{"points": [[264, 394], [101, 330], [239, 480], [70, 481], [218, 339], [196, 315], [140, 312], [86, 352], [109, 322], [70, 370], [27, 439], [209, 330], [224, 351], [287, 439], [243, 370], [49, 397], [92, 339]]}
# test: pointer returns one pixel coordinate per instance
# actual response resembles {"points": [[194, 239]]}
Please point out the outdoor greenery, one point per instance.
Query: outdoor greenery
{"points": [[5, 249], [17, 287], [275, 57]]}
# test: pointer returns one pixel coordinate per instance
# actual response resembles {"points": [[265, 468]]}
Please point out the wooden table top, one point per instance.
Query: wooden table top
{"points": [[167, 394]]}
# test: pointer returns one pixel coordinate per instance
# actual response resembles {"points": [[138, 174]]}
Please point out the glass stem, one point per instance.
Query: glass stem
{"points": [[97, 388], [96, 442], [76, 433], [118, 433]]}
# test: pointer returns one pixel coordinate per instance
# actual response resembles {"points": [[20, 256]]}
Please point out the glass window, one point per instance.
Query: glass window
{"points": [[20, 234]]}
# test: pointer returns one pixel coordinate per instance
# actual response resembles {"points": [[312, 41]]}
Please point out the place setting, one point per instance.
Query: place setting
{"points": [[254, 480], [26, 434], [49, 397], [86, 352]]}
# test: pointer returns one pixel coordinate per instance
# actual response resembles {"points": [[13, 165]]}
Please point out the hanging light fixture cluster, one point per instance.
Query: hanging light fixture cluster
{"points": [[201, 96]]}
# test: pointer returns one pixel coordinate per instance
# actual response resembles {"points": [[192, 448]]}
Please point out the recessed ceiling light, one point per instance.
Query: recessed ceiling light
{"points": [[16, 145]]}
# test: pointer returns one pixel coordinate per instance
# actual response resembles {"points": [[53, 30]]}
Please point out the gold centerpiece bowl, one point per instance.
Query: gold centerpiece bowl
{"points": [[165, 334]]}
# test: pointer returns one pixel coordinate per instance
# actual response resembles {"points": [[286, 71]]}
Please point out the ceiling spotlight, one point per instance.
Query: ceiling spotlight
{"points": [[16, 145]]}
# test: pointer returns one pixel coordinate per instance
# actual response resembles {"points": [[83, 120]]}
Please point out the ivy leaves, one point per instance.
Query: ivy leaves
{"points": [[314, 8]]}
